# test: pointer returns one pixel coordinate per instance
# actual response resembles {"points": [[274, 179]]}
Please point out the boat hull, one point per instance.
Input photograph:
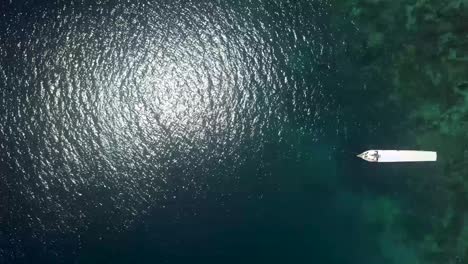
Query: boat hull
{"points": [[398, 156]]}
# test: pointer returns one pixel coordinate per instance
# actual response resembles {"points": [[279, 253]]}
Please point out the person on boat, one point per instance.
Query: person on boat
{"points": [[370, 155]]}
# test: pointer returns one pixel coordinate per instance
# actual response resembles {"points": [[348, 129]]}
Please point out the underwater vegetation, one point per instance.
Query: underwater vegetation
{"points": [[420, 50]]}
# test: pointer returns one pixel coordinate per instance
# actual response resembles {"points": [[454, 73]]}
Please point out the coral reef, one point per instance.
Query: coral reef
{"points": [[421, 49]]}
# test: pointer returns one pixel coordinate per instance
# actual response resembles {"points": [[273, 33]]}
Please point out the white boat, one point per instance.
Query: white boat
{"points": [[398, 155]]}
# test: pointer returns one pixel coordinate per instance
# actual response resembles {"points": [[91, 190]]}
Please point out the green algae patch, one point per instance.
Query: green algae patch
{"points": [[383, 213]]}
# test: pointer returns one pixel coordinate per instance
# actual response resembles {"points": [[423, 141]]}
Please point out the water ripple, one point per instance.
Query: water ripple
{"points": [[109, 110]]}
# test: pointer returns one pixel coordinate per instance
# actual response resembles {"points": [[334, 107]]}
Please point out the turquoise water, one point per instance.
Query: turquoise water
{"points": [[166, 131]]}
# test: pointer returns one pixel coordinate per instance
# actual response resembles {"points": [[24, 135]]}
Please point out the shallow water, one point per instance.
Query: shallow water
{"points": [[157, 131]]}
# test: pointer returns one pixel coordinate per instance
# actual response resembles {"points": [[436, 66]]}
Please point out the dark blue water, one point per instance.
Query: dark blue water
{"points": [[166, 131]]}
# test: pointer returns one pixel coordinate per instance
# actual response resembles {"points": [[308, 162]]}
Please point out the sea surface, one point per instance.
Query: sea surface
{"points": [[187, 131]]}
